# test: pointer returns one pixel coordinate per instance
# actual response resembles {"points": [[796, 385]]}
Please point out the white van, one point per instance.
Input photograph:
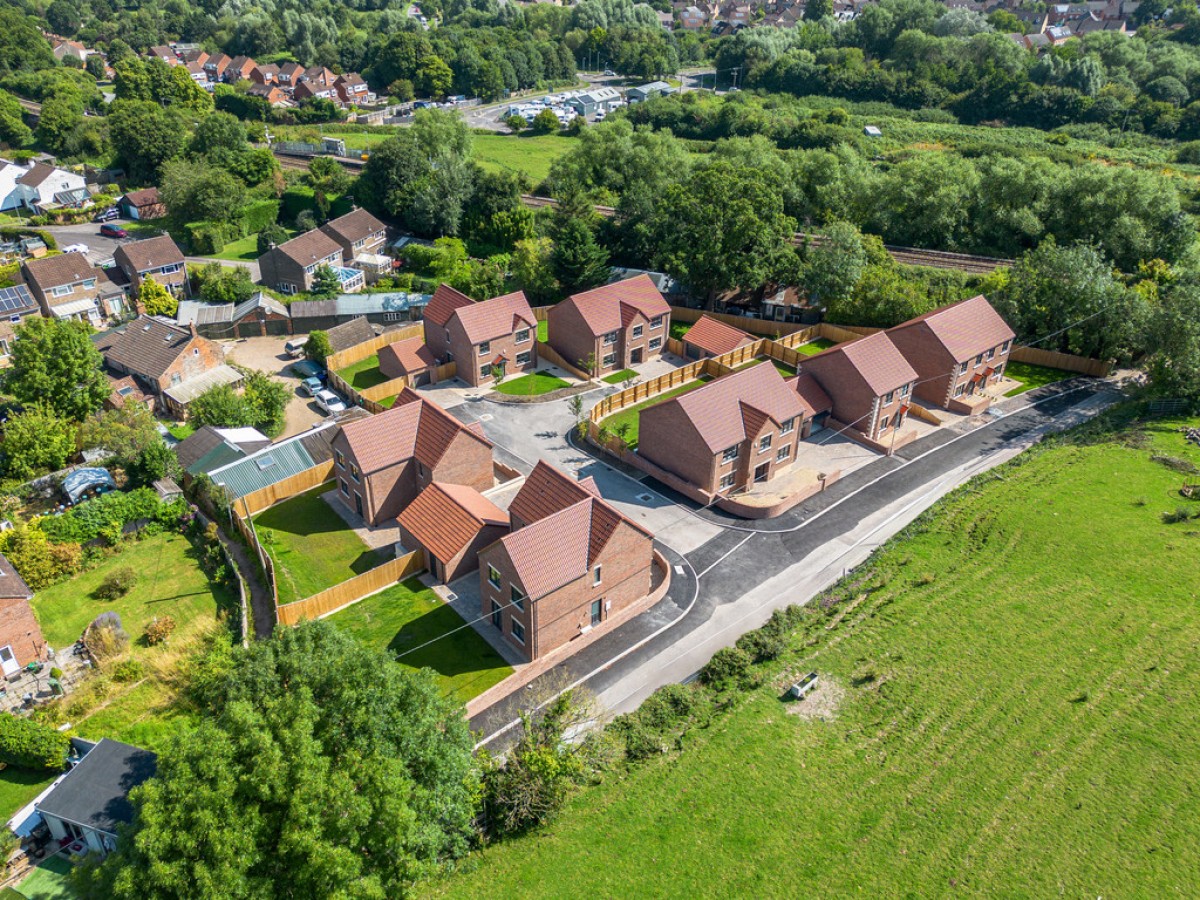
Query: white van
{"points": [[295, 347]]}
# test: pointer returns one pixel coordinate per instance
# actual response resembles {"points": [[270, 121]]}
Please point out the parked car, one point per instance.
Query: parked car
{"points": [[599, 117], [295, 347], [306, 368], [108, 229], [330, 402], [77, 248], [107, 215], [311, 386], [609, 72]]}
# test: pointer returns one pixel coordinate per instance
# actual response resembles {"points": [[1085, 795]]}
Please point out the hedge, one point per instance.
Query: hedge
{"points": [[256, 216], [12, 233], [210, 237], [87, 521], [32, 745]]}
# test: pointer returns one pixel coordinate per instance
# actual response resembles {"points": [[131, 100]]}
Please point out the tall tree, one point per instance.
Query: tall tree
{"points": [[145, 136], [125, 432], [1174, 341], [54, 362], [37, 441], [577, 260], [833, 267]]}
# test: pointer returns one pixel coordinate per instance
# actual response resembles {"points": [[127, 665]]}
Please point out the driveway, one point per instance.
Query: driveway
{"points": [[101, 248], [266, 354]]}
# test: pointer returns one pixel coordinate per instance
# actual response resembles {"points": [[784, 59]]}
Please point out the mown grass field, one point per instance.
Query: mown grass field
{"points": [[408, 616], [1019, 718], [532, 154], [1032, 376]]}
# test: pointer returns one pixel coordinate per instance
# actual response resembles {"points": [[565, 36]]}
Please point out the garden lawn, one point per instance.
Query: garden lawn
{"points": [[1032, 376], [49, 881], [408, 615], [618, 377], [364, 373], [532, 154], [1020, 712], [19, 786], [812, 348], [243, 249], [181, 431], [543, 330], [311, 546], [532, 384], [630, 413]]}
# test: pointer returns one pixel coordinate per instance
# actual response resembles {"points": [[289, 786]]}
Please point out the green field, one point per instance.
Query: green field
{"points": [[528, 153], [1018, 716], [311, 546], [630, 413], [1032, 376], [409, 615], [532, 384], [364, 373]]}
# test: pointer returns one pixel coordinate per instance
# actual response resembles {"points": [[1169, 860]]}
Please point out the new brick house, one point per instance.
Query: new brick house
{"points": [[292, 266], [712, 337], [357, 232], [957, 351], [65, 286], [383, 462], [449, 524], [869, 383], [733, 432], [618, 325], [570, 563], [409, 359], [488, 340], [21, 640], [159, 258]]}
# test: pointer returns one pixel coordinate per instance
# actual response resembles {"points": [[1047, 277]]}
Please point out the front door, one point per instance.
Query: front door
{"points": [[761, 471], [635, 356], [358, 507], [8, 661], [498, 369]]}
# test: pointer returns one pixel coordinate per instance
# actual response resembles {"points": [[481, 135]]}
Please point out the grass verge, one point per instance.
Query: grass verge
{"points": [[618, 377], [531, 385]]}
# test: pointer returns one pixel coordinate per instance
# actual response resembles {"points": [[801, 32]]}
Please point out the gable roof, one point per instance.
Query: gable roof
{"points": [[413, 428], [571, 528], [95, 793], [147, 346], [812, 396], [36, 174], [443, 304], [410, 355], [232, 444], [145, 197], [876, 360], [348, 334], [715, 337], [12, 585], [614, 306], [445, 518], [52, 271], [310, 247], [964, 329], [355, 225], [152, 253], [495, 318], [734, 408]]}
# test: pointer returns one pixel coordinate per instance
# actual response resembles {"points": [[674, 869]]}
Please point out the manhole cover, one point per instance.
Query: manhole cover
{"points": [[645, 498], [486, 417]]}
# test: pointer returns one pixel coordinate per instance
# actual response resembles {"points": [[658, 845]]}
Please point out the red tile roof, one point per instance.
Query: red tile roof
{"points": [[880, 365], [547, 491], [443, 303], [614, 306], [965, 329], [715, 337], [498, 317], [734, 407], [413, 428], [445, 518], [410, 355], [812, 396]]}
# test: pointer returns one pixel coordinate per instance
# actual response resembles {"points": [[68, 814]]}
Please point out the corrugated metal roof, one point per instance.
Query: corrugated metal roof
{"points": [[266, 467]]}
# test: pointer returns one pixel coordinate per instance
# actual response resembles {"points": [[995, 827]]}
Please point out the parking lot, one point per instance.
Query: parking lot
{"points": [[266, 354]]}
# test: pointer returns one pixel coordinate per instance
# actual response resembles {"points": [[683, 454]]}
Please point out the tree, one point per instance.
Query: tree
{"points": [[221, 407], [37, 441], [722, 228], [155, 462], [325, 283], [54, 362], [328, 175], [271, 236], [545, 122], [215, 283], [125, 432], [1174, 341], [532, 270], [434, 77], [61, 116], [267, 400], [145, 136], [155, 299], [195, 191], [317, 347], [815, 10], [833, 267], [13, 130], [577, 261], [320, 769], [219, 136]]}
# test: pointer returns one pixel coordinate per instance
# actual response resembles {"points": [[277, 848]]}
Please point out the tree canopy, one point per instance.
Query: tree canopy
{"points": [[54, 362]]}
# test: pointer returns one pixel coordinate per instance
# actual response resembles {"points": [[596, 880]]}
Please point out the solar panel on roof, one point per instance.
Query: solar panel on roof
{"points": [[15, 298]]}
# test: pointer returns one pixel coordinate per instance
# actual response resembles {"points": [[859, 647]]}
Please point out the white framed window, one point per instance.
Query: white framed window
{"points": [[958, 391], [883, 423], [485, 348], [904, 390], [609, 359], [890, 396], [90, 283], [523, 357], [726, 481], [596, 573], [784, 453], [730, 454], [522, 336], [518, 632], [788, 427], [1005, 347], [979, 359], [637, 331], [764, 443], [992, 353], [656, 322], [610, 338], [493, 576], [655, 343], [62, 290], [962, 368], [518, 599]]}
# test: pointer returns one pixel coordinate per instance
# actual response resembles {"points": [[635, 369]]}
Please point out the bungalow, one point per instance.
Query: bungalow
{"points": [[144, 204], [449, 524], [383, 462], [569, 564], [489, 340], [313, 90], [163, 53], [957, 351], [712, 337], [410, 359], [612, 327], [268, 92], [21, 640], [349, 334], [158, 258], [736, 431], [291, 267], [65, 286], [260, 316], [91, 802], [358, 233], [62, 48], [869, 383]]}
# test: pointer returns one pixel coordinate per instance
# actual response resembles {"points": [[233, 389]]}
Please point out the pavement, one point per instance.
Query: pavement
{"points": [[730, 574]]}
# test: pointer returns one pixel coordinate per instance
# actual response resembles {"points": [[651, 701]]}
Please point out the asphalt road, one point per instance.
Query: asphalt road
{"points": [[730, 583], [101, 248]]}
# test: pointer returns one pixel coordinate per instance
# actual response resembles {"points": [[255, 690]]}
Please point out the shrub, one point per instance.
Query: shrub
{"points": [[105, 637], [117, 583], [1181, 514], [87, 521], [730, 667], [40, 562], [129, 670], [32, 745], [56, 672], [661, 721], [159, 630], [763, 645]]}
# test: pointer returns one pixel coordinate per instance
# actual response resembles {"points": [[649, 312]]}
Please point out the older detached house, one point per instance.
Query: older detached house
{"points": [[292, 266], [957, 351], [158, 258], [450, 524], [488, 340], [65, 286], [382, 463], [21, 640], [869, 383], [738, 430], [357, 232], [618, 325], [570, 563]]}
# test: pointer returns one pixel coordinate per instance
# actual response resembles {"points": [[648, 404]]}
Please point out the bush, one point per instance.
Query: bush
{"points": [[88, 521], [105, 637], [730, 667], [129, 670], [32, 745], [40, 562], [210, 237], [117, 583], [256, 216], [661, 721], [763, 645], [159, 630]]}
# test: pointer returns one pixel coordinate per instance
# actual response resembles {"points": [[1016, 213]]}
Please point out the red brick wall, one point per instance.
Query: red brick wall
{"points": [[570, 335], [199, 356], [470, 360], [667, 438], [19, 630]]}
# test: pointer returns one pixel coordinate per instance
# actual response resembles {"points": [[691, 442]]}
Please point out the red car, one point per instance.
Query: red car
{"points": [[108, 229]]}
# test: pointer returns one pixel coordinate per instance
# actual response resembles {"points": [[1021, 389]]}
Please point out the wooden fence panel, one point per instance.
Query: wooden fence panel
{"points": [[796, 338], [359, 352], [840, 333], [256, 501], [383, 391], [546, 353], [759, 327], [342, 595], [1097, 368]]}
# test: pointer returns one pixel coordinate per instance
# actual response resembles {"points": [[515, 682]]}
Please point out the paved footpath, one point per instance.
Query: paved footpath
{"points": [[731, 583]]}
